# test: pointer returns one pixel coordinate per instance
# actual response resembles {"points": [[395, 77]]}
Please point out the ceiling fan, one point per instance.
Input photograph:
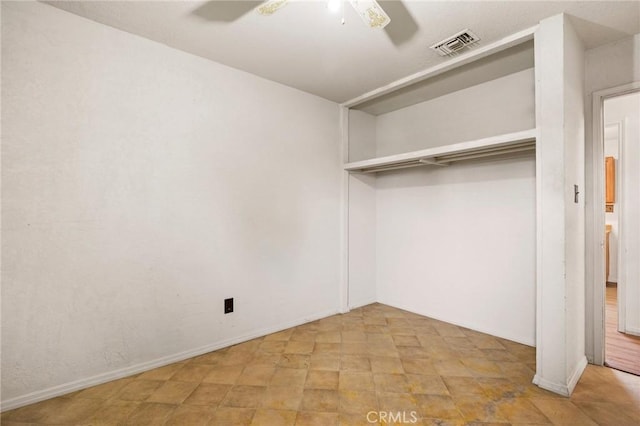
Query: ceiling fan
{"points": [[369, 10]]}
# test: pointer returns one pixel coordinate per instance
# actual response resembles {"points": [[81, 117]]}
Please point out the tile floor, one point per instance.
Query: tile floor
{"points": [[372, 361]]}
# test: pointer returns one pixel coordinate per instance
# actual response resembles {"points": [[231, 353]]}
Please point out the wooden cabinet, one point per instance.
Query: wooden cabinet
{"points": [[610, 180]]}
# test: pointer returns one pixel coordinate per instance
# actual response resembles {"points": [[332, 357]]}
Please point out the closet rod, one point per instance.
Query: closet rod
{"points": [[487, 153], [405, 165], [490, 150], [445, 160]]}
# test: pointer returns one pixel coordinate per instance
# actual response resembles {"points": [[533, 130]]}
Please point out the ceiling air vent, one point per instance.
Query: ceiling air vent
{"points": [[456, 43]]}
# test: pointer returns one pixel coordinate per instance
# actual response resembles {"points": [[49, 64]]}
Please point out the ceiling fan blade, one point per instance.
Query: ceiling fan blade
{"points": [[371, 13], [270, 6]]}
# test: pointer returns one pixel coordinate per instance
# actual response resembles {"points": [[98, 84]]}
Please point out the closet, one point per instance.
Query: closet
{"points": [[443, 191], [446, 167]]}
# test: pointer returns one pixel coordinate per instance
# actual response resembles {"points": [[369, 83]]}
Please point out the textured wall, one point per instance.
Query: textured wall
{"points": [[140, 187], [503, 105]]}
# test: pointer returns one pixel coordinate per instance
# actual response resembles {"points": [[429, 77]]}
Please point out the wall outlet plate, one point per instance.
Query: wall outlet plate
{"points": [[228, 305]]}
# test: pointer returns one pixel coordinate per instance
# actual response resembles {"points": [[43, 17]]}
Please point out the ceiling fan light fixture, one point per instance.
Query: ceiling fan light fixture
{"points": [[270, 6], [334, 6], [371, 13], [369, 10]]}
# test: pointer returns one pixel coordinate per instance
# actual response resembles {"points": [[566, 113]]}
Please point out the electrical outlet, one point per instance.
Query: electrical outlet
{"points": [[228, 305]]}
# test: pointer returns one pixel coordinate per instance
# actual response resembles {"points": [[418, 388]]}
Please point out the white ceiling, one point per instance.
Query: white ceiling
{"points": [[303, 45]]}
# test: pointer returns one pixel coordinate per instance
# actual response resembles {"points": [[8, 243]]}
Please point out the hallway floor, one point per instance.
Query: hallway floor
{"points": [[351, 369], [622, 351]]}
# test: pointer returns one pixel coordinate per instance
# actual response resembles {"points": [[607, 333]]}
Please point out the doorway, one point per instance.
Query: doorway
{"points": [[621, 149]]}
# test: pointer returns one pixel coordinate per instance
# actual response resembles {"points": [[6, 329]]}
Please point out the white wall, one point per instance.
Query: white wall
{"points": [[142, 186], [560, 222], [607, 66], [611, 65], [626, 109], [362, 136], [362, 240], [573, 127], [499, 106], [458, 244]]}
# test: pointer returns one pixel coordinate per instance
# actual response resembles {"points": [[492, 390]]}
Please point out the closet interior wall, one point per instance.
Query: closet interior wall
{"points": [[362, 213]]}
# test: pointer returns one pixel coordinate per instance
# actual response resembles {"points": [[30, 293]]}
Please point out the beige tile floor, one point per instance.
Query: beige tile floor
{"points": [[373, 360]]}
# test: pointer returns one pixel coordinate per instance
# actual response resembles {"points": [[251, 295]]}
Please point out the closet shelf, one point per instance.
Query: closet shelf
{"points": [[510, 143]]}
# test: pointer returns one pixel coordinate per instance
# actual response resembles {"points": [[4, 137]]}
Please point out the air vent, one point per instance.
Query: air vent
{"points": [[456, 43]]}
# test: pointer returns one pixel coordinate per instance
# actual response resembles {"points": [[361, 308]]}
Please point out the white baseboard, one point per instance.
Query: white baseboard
{"points": [[561, 388], [474, 327], [632, 330], [577, 373], [76, 385]]}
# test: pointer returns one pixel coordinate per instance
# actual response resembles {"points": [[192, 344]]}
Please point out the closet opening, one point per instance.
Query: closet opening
{"points": [[441, 194]]}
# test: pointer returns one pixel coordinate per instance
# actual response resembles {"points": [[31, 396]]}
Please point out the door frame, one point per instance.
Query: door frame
{"points": [[622, 272], [595, 240]]}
